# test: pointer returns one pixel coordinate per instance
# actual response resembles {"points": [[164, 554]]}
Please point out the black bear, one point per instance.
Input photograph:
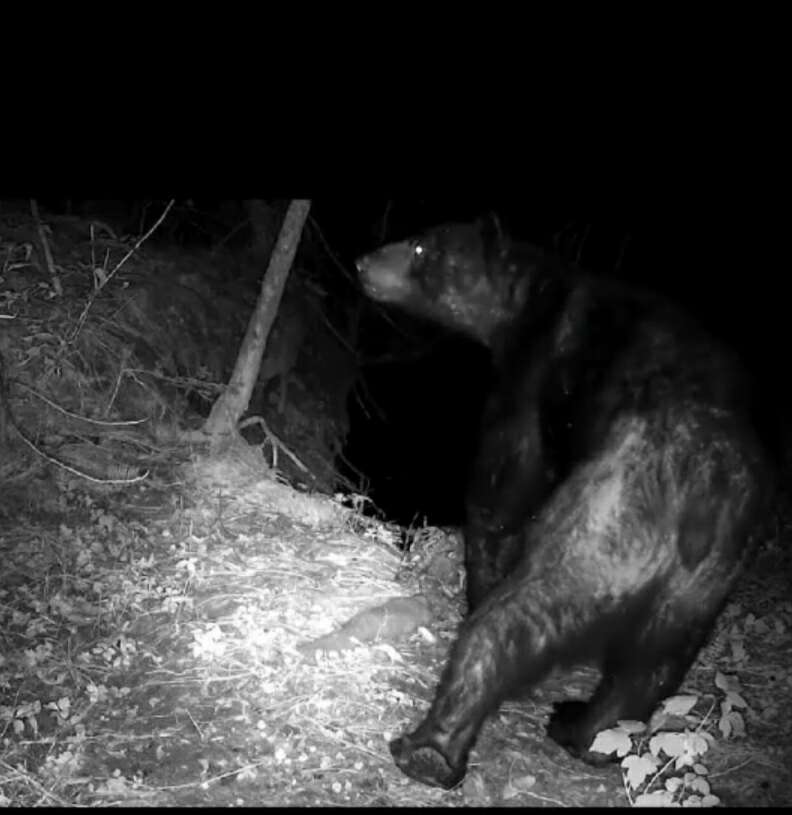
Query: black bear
{"points": [[618, 482]]}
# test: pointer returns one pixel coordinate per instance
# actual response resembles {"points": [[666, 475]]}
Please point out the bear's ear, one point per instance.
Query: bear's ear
{"points": [[492, 234]]}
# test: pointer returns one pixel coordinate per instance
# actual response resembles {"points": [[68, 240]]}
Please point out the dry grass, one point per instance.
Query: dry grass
{"points": [[158, 661], [153, 654]]}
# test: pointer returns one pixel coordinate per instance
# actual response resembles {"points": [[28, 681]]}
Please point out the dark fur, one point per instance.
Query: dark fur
{"points": [[616, 489]]}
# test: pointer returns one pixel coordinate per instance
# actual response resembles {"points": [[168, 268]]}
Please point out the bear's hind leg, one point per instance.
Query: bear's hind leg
{"points": [[508, 643], [636, 677]]}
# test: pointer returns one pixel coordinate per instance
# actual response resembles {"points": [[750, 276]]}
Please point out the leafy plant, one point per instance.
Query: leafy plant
{"points": [[661, 761]]}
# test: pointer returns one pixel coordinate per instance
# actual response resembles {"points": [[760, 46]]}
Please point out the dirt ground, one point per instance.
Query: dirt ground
{"points": [[153, 653]]}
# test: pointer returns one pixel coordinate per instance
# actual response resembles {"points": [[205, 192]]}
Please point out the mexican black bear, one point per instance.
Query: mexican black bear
{"points": [[618, 482]]}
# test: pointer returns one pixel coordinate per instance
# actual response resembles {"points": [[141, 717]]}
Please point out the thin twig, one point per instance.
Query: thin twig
{"points": [[180, 381], [230, 235], [273, 439], [73, 470], [101, 284], [194, 723], [56, 283], [212, 779], [25, 776], [55, 406], [331, 254], [125, 354]]}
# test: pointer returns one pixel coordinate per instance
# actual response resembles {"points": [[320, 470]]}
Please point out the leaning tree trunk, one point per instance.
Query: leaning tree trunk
{"points": [[233, 402]]}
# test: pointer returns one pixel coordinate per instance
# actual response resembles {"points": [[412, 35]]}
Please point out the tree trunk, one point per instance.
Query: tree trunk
{"points": [[233, 402]]}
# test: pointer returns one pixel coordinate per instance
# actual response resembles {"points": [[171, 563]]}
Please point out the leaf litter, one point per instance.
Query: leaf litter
{"points": [[242, 644], [231, 641]]}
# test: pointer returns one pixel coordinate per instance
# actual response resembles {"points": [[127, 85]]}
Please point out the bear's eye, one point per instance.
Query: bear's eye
{"points": [[418, 250]]}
